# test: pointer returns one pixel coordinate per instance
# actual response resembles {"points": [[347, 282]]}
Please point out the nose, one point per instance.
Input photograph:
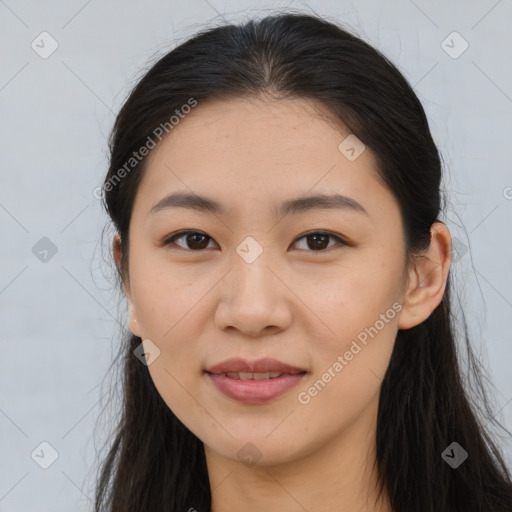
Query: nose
{"points": [[254, 300]]}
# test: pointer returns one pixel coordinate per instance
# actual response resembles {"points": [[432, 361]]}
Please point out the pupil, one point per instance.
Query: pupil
{"points": [[320, 245], [192, 236]]}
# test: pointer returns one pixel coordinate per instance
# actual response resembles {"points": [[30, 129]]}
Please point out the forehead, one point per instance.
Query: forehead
{"points": [[284, 130], [256, 151]]}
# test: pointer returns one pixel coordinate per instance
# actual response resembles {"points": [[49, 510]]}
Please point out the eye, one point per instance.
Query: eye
{"points": [[196, 239], [317, 241]]}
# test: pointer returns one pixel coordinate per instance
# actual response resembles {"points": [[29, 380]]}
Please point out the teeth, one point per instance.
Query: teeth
{"points": [[253, 376], [260, 376]]}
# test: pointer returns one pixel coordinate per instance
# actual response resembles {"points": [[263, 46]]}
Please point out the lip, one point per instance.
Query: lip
{"points": [[254, 391], [259, 366]]}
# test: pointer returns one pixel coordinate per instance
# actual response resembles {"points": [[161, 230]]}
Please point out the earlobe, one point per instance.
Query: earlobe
{"points": [[132, 317], [134, 326], [427, 279]]}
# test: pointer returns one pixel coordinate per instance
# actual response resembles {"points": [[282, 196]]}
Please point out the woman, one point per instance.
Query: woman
{"points": [[276, 195]]}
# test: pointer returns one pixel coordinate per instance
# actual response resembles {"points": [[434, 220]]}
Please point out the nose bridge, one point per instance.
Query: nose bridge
{"points": [[254, 297], [251, 275]]}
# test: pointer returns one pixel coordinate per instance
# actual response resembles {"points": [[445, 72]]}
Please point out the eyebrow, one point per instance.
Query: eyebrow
{"points": [[301, 204]]}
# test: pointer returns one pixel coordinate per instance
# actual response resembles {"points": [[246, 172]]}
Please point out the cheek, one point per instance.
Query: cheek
{"points": [[361, 308], [168, 302], [163, 295], [167, 308], [349, 367], [354, 297]]}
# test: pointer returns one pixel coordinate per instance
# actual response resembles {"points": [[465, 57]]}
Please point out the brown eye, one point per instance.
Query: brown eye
{"points": [[318, 241], [194, 240]]}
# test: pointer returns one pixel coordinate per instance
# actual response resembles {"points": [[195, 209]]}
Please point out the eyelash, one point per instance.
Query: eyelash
{"points": [[180, 234]]}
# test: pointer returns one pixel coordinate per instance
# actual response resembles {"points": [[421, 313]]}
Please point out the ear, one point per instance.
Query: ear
{"points": [[427, 279], [116, 249]]}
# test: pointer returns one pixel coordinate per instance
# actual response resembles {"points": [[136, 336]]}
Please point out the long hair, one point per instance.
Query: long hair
{"points": [[154, 463]]}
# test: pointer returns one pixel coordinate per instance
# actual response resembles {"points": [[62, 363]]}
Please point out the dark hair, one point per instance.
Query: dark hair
{"points": [[154, 462]]}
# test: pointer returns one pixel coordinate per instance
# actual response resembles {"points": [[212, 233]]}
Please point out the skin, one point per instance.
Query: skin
{"points": [[295, 304]]}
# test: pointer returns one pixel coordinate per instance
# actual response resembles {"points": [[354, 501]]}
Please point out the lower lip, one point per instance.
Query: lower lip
{"points": [[255, 391]]}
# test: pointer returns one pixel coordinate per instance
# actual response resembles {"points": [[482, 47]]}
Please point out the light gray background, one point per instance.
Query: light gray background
{"points": [[58, 320]]}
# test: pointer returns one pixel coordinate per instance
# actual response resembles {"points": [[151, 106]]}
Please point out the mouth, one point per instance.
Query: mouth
{"points": [[254, 382], [260, 367], [253, 376]]}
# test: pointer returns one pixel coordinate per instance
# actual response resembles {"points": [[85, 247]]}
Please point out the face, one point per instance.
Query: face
{"points": [[317, 287]]}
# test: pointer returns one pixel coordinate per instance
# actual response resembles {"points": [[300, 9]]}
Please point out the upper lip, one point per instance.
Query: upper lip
{"points": [[259, 366]]}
